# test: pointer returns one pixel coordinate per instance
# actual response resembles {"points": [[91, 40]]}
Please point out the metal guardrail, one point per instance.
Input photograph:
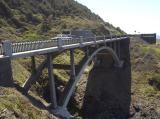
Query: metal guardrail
{"points": [[28, 46], [59, 42]]}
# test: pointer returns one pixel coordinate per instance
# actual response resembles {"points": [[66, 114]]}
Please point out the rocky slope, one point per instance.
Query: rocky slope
{"points": [[145, 60]]}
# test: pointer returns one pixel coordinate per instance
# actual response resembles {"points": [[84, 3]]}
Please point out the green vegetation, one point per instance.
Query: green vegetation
{"points": [[42, 19], [155, 81], [14, 105], [20, 73], [146, 48], [33, 20], [145, 76]]}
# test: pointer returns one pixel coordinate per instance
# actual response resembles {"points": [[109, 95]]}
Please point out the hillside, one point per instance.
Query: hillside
{"points": [[145, 80], [14, 105], [145, 90], [41, 19]]}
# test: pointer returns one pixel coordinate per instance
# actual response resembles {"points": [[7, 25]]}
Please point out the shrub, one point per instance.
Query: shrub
{"points": [[31, 36], [155, 81]]}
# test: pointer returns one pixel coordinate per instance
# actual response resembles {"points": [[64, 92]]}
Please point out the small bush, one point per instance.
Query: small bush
{"points": [[155, 81], [3, 22], [32, 36]]}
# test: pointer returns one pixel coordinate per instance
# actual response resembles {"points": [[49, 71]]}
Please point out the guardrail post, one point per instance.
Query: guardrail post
{"points": [[52, 82], [1, 50], [81, 41], [7, 48], [111, 36], [119, 49], [104, 40], [116, 37], [95, 39], [120, 36], [60, 42], [115, 46]]}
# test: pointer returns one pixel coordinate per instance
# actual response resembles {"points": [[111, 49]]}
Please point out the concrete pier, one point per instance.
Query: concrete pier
{"points": [[5, 72]]}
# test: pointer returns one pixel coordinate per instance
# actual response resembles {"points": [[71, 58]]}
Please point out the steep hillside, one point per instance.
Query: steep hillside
{"points": [[13, 105], [37, 19]]}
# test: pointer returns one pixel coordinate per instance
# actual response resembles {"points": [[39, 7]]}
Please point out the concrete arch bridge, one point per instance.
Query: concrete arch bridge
{"points": [[95, 48]]}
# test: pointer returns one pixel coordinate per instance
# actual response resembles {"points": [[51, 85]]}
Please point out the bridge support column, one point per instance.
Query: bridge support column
{"points": [[105, 41], [62, 109], [119, 49], [33, 67], [6, 72], [5, 65], [73, 71], [115, 47], [87, 52], [110, 44], [51, 82]]}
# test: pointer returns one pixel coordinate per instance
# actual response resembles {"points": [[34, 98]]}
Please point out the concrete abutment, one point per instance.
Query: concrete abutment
{"points": [[6, 79]]}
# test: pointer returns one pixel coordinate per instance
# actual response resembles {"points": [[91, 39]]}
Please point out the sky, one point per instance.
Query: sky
{"points": [[142, 16]]}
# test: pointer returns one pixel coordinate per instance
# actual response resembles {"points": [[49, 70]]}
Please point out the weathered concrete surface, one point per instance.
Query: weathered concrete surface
{"points": [[108, 91], [5, 72]]}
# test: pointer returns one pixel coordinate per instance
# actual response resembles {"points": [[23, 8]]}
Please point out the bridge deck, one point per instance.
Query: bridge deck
{"points": [[26, 49]]}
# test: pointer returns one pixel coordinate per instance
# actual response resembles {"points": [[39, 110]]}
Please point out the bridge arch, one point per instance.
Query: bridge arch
{"points": [[116, 59]]}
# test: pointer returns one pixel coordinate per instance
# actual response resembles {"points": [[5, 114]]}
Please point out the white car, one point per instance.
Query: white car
{"points": [[62, 36]]}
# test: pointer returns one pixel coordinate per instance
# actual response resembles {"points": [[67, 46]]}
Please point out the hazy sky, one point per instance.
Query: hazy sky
{"points": [[130, 15]]}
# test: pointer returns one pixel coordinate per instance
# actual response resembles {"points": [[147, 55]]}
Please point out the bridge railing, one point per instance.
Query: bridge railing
{"points": [[100, 38], [89, 39], [28, 46], [18, 47]]}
